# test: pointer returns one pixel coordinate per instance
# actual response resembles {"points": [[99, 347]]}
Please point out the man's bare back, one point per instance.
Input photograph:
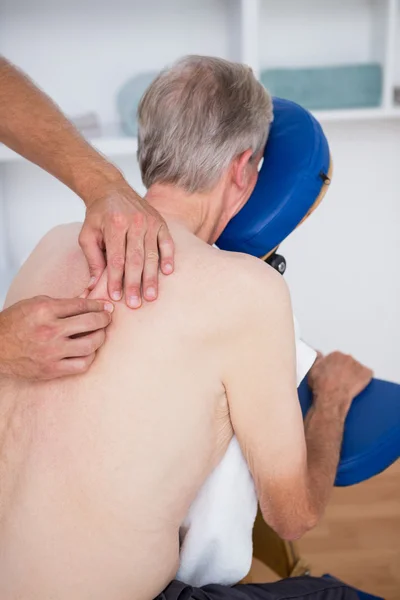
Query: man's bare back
{"points": [[98, 471], [105, 466]]}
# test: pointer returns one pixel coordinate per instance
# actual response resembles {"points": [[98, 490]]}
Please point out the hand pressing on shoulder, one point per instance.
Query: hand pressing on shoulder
{"points": [[44, 338], [125, 235], [335, 380]]}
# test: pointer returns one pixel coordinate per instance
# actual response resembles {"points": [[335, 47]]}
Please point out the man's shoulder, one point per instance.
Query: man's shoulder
{"points": [[252, 271], [229, 287], [251, 283]]}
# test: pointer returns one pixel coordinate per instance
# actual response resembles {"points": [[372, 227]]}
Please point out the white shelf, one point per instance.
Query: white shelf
{"points": [[117, 145], [357, 114]]}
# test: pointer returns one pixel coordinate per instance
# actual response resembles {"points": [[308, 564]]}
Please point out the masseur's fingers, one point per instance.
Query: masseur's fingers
{"points": [[79, 306], [90, 241], [150, 271], [35, 335], [115, 240], [86, 323], [74, 366], [85, 345], [134, 268], [167, 249], [115, 214]]}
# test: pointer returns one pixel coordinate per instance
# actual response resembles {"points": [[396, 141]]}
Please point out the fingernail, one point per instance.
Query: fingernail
{"points": [[167, 268], [116, 296], [92, 281], [109, 307], [134, 301], [150, 293]]}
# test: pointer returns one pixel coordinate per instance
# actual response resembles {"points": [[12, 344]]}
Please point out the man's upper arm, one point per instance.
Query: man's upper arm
{"points": [[262, 395]]}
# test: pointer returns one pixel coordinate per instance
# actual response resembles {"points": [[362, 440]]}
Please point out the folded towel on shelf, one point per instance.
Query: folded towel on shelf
{"points": [[323, 88]]}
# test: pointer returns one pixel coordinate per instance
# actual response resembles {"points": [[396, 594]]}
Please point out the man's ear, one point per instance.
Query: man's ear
{"points": [[243, 177], [241, 172]]}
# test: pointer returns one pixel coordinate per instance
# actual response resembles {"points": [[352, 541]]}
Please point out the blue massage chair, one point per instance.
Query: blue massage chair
{"points": [[294, 178]]}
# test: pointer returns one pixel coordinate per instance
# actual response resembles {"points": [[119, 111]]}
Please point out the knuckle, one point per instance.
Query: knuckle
{"points": [[150, 281], [53, 369], [46, 363], [45, 333], [118, 220], [167, 243], [152, 256], [91, 322], [117, 261], [95, 266], [153, 222], [139, 220], [135, 257], [84, 236], [47, 371], [133, 290], [81, 305], [42, 308]]}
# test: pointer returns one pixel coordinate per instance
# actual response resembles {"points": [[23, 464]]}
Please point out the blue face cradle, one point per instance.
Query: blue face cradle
{"points": [[292, 179], [291, 183]]}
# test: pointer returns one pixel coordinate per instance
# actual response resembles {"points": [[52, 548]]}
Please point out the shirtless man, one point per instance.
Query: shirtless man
{"points": [[98, 471]]}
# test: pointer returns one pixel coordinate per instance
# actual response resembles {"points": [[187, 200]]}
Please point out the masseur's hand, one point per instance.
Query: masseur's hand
{"points": [[43, 338], [336, 380], [135, 239], [117, 219]]}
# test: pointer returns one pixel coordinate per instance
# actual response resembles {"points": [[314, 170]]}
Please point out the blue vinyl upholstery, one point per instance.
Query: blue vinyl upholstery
{"points": [[296, 163], [371, 441], [291, 178]]}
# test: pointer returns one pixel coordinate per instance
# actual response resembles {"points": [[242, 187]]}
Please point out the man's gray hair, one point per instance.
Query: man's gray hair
{"points": [[195, 117]]}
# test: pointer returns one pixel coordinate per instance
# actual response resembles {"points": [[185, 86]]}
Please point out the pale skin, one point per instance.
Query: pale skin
{"points": [[99, 470], [121, 233]]}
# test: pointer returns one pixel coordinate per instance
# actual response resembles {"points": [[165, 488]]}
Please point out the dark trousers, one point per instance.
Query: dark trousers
{"points": [[296, 588]]}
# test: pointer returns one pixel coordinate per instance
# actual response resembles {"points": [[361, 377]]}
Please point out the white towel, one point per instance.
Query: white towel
{"points": [[216, 537]]}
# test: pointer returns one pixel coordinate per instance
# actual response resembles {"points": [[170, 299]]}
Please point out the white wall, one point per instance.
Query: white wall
{"points": [[308, 33], [343, 263], [397, 65]]}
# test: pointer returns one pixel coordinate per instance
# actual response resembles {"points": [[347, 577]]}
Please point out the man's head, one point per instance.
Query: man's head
{"points": [[203, 124]]}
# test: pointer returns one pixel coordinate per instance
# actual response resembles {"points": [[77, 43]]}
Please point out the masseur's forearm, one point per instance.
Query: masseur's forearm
{"points": [[324, 433], [32, 125]]}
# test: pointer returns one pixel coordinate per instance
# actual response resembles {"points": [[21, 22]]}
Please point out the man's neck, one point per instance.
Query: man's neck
{"points": [[201, 214]]}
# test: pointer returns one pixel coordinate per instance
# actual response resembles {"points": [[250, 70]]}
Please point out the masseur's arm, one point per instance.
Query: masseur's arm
{"points": [[293, 469], [117, 219]]}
